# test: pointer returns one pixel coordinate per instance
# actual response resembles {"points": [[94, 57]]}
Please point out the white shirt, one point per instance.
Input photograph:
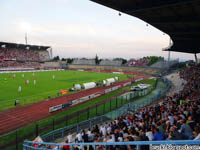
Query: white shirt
{"points": [[79, 137], [110, 140], [149, 134], [197, 137], [89, 133], [113, 137], [69, 137], [103, 130], [109, 130], [171, 119], [120, 139]]}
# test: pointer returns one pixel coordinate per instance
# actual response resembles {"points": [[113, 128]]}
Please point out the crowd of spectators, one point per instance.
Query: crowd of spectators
{"points": [[22, 54], [23, 58], [138, 63], [15, 64], [19, 54], [173, 118]]}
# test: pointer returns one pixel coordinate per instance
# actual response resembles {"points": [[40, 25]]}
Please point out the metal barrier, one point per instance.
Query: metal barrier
{"points": [[129, 106], [153, 145], [60, 133]]}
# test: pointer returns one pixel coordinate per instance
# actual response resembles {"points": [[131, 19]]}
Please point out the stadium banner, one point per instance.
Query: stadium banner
{"points": [[82, 99], [19, 70], [66, 105], [112, 89], [97, 95], [75, 102], [107, 91], [139, 80], [128, 83], [117, 72], [115, 88], [55, 108]]}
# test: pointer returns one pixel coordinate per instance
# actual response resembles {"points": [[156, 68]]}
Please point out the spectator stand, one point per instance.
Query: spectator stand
{"points": [[83, 62], [108, 62]]}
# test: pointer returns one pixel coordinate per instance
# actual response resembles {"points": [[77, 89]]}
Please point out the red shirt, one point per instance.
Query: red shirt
{"points": [[66, 147]]}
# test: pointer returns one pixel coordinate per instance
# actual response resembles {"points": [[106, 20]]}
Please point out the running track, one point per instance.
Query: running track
{"points": [[15, 118]]}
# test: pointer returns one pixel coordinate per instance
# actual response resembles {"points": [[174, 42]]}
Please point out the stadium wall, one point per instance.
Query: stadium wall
{"points": [[145, 70]]}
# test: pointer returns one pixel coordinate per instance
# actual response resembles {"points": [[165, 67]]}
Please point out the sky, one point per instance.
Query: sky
{"points": [[81, 28]]}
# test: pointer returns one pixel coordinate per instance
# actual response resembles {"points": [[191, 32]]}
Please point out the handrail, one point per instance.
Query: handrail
{"points": [[122, 143], [187, 144]]}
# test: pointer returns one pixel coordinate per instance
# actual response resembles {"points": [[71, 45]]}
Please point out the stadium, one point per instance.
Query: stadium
{"points": [[105, 104]]}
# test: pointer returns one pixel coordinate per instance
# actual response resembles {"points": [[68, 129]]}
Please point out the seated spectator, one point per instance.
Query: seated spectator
{"points": [[157, 136], [196, 133], [143, 137], [66, 147], [191, 122], [149, 134], [175, 135], [185, 129]]}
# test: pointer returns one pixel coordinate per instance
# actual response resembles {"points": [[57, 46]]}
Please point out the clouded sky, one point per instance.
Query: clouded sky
{"points": [[81, 28]]}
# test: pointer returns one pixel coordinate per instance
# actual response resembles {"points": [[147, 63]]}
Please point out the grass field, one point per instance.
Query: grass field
{"points": [[45, 84]]}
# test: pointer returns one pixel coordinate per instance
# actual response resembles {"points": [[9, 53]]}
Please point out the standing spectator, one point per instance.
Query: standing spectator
{"points": [[69, 138]]}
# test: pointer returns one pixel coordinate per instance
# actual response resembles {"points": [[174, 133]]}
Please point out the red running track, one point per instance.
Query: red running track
{"points": [[15, 118]]}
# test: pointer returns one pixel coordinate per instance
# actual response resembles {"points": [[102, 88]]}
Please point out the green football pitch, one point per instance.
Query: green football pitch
{"points": [[47, 84]]}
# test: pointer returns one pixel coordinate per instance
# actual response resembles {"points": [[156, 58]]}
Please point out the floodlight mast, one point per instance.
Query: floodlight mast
{"points": [[26, 39], [170, 44], [169, 49]]}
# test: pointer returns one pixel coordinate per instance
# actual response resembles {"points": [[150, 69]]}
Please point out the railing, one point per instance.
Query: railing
{"points": [[153, 145], [60, 133]]}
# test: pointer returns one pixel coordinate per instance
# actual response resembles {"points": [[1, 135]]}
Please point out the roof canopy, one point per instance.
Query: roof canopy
{"points": [[23, 46], [180, 19]]}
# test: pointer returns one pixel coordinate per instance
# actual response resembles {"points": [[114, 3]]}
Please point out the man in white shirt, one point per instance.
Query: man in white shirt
{"points": [[69, 137], [110, 139], [79, 137], [109, 129], [171, 119], [149, 134], [89, 133], [103, 130]]}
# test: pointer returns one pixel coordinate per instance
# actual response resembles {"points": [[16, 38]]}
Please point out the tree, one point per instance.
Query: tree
{"points": [[69, 60], [97, 61], [56, 58], [179, 65], [63, 59], [153, 59], [124, 61]]}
